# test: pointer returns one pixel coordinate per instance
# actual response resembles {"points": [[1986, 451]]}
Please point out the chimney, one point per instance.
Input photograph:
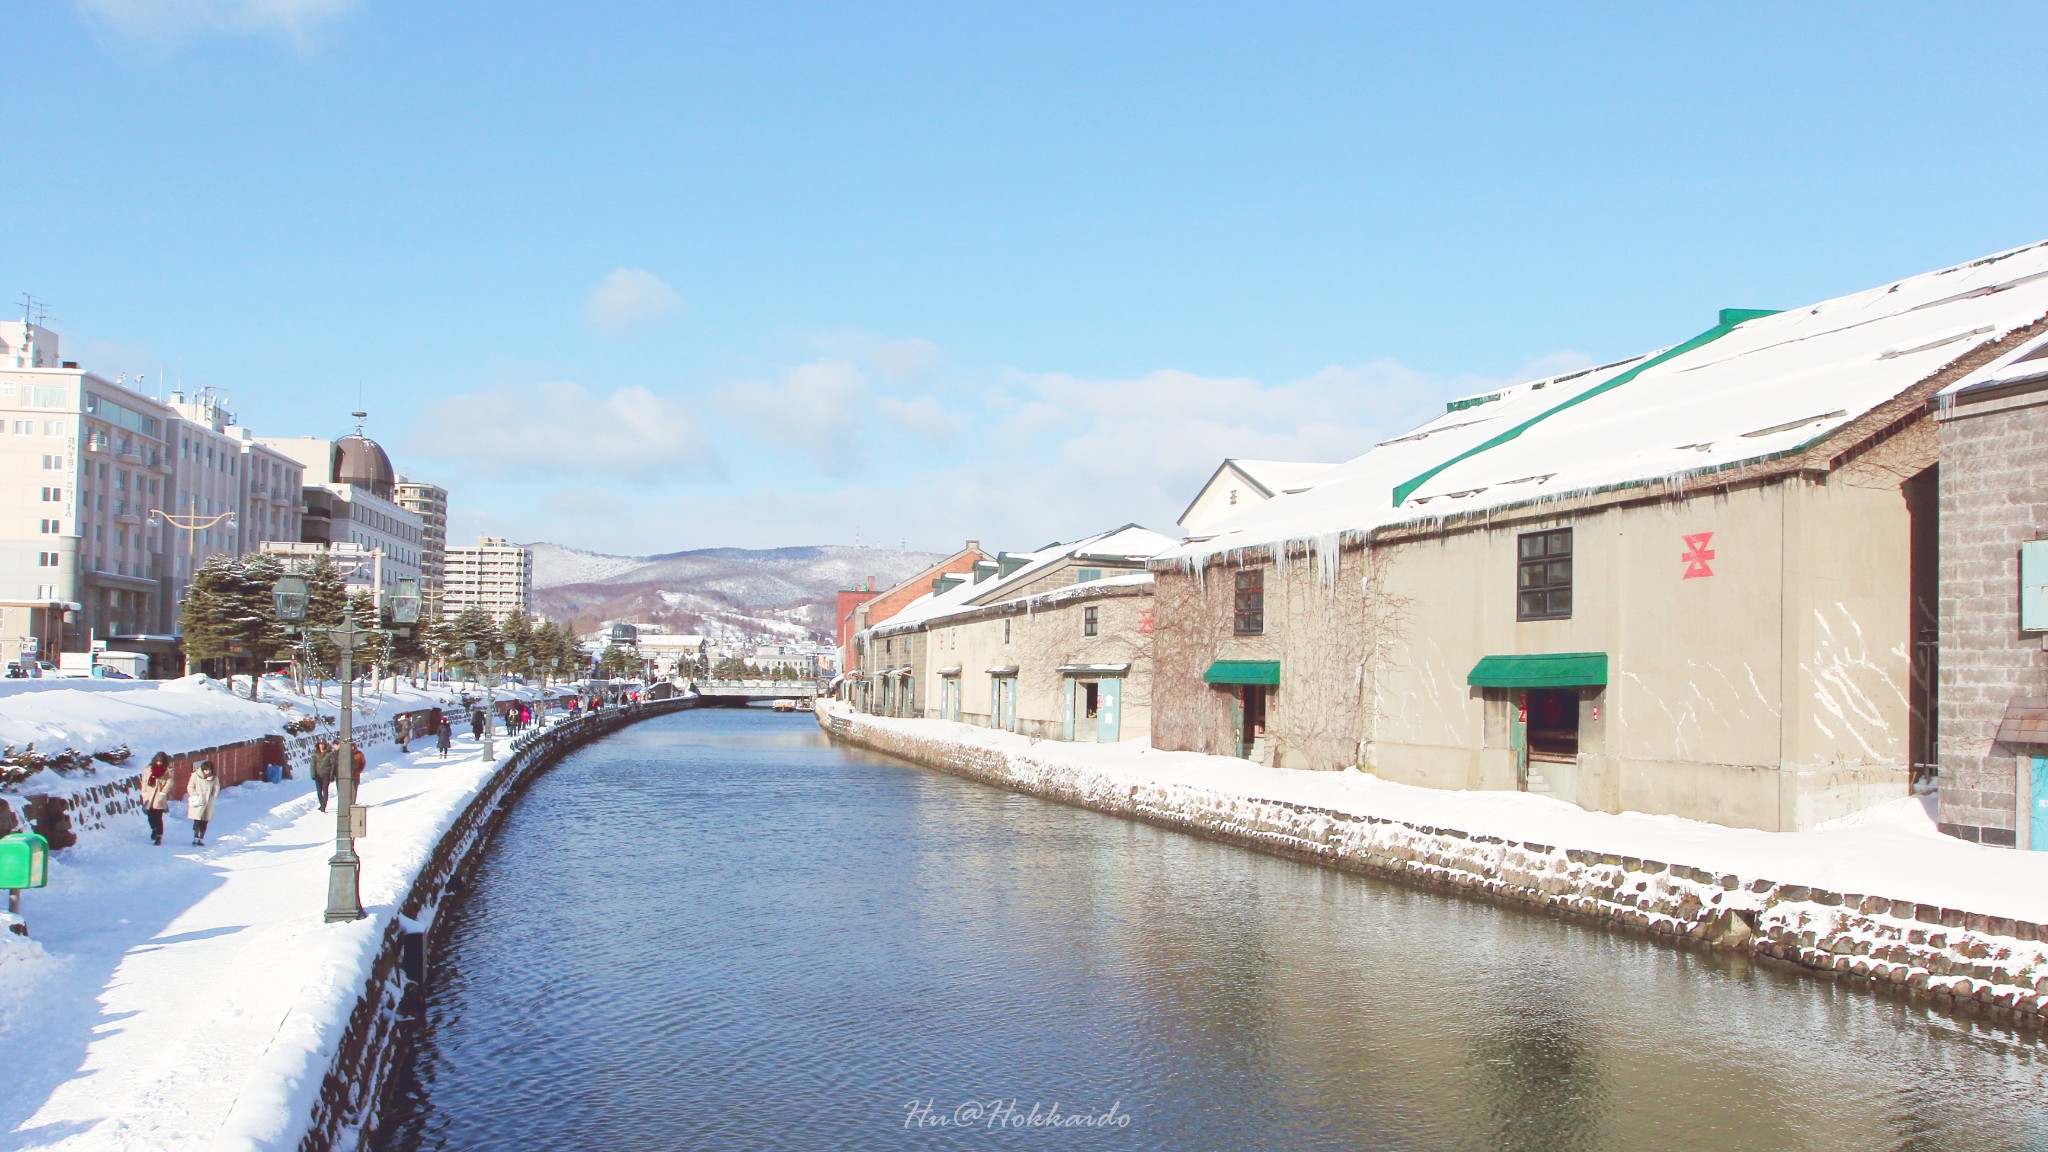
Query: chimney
{"points": [[973, 546]]}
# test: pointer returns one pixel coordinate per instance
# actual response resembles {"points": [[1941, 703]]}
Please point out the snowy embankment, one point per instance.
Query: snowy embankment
{"points": [[187, 997], [1880, 898]]}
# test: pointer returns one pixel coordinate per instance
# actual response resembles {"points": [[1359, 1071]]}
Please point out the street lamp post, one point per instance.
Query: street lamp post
{"points": [[344, 869]]}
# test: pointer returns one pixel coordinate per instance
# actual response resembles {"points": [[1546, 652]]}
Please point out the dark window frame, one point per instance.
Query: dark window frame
{"points": [[1248, 602], [1090, 623], [1543, 575]]}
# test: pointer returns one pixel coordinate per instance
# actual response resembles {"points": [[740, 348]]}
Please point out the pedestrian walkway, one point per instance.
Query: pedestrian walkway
{"points": [[182, 997]]}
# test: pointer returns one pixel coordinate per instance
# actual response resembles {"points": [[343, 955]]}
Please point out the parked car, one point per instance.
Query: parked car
{"points": [[23, 670]]}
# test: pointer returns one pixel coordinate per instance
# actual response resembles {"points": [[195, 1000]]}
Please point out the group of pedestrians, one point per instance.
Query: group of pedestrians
{"points": [[202, 788]]}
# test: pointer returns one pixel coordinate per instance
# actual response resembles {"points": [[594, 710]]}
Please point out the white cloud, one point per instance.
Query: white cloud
{"points": [[816, 409], [553, 430], [171, 23], [630, 298]]}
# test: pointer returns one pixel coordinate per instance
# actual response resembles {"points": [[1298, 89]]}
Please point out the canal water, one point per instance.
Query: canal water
{"points": [[716, 930]]}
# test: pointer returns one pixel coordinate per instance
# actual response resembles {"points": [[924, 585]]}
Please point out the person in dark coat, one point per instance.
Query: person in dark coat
{"points": [[156, 794], [445, 737], [323, 770], [476, 723]]}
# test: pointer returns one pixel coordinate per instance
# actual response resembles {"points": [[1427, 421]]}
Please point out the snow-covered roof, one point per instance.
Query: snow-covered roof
{"points": [[1280, 476], [2024, 368], [1756, 385], [1131, 542]]}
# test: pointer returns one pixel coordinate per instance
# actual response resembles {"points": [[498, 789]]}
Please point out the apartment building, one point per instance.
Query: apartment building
{"points": [[230, 492], [496, 576], [430, 503]]}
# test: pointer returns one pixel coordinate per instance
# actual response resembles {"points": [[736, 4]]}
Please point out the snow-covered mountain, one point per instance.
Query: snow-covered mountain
{"points": [[770, 593]]}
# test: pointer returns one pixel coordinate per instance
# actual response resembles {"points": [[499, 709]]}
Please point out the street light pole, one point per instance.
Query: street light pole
{"points": [[344, 869], [291, 597]]}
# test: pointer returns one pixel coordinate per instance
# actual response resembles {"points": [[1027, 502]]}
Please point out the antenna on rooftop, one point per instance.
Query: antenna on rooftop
{"points": [[360, 415]]}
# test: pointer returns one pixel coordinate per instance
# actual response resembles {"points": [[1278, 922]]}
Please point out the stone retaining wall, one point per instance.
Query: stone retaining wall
{"points": [[372, 1046], [1954, 959]]}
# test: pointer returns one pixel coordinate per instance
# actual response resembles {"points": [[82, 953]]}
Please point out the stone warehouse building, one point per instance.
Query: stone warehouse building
{"points": [[1993, 727], [1054, 643], [1682, 583]]}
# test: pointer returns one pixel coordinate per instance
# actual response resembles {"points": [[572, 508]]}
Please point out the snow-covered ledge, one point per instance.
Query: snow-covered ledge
{"points": [[1880, 899]]}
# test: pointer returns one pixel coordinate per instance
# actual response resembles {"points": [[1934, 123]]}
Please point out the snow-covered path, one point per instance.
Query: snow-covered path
{"points": [[186, 997]]}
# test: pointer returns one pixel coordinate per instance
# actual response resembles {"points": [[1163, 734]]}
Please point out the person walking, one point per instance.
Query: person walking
{"points": [[405, 732], [446, 736], [355, 760], [200, 793], [156, 794], [476, 723], [323, 770]]}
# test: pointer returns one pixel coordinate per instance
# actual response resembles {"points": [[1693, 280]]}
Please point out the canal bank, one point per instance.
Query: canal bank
{"points": [[724, 930], [1883, 903], [190, 996], [351, 1096]]}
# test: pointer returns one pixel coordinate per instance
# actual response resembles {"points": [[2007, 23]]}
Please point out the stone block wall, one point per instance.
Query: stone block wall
{"points": [[1994, 497]]}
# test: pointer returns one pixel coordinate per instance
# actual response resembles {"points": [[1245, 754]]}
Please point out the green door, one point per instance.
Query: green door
{"points": [[1067, 718], [1109, 711], [2038, 838], [1518, 738], [1244, 746]]}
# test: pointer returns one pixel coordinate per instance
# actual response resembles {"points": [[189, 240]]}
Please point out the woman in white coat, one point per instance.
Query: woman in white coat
{"points": [[200, 793]]}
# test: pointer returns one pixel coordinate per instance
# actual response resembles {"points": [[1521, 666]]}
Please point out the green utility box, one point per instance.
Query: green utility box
{"points": [[24, 861]]}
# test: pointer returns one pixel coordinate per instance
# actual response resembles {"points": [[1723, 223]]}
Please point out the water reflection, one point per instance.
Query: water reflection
{"points": [[718, 931]]}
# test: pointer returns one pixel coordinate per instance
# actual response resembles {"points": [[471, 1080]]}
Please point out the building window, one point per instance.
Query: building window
{"points": [[1088, 623], [1006, 631], [1250, 614], [1543, 583], [1084, 575]]}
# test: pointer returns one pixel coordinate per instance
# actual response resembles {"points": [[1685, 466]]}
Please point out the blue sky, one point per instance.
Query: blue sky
{"points": [[649, 277]]}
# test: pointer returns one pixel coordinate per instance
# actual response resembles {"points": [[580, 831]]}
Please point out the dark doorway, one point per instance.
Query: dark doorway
{"points": [[1251, 720], [1090, 693], [1923, 516], [1554, 724]]}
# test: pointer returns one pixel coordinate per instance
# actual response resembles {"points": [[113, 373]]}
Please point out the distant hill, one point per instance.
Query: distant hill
{"points": [[783, 593]]}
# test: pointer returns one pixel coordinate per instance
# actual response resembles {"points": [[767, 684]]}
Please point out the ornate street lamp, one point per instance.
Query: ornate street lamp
{"points": [[290, 596]]}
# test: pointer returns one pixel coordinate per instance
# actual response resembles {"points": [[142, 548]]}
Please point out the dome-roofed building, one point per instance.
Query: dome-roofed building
{"points": [[352, 511], [360, 461]]}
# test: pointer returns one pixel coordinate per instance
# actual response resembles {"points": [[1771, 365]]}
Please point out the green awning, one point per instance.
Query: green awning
{"points": [[1543, 670], [1244, 672]]}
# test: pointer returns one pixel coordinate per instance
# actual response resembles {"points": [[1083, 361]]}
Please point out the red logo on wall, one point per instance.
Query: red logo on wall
{"points": [[1697, 554], [1145, 621]]}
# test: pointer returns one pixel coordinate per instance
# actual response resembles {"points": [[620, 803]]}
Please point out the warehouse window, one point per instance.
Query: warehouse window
{"points": [[1088, 622], [1543, 585], [1250, 614]]}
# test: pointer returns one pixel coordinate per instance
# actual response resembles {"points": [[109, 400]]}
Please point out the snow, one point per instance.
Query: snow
{"points": [[1278, 476], [1894, 850], [184, 997], [1772, 385], [1130, 543]]}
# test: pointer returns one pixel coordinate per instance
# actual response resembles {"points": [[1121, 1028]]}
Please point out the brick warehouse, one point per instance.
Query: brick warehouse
{"points": [[1993, 699]]}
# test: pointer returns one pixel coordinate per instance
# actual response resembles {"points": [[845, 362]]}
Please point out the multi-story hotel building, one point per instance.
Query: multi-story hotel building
{"points": [[495, 576], [110, 499], [430, 503]]}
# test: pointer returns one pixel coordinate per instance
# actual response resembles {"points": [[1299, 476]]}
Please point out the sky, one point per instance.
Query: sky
{"points": [[647, 277]]}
